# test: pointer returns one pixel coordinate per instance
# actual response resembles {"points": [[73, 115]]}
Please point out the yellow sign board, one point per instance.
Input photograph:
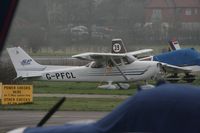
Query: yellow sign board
{"points": [[17, 94]]}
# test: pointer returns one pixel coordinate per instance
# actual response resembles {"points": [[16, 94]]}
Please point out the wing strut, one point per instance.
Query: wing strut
{"points": [[119, 69]]}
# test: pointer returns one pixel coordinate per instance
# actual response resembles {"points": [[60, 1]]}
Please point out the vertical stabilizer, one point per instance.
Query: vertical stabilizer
{"points": [[22, 61], [174, 45]]}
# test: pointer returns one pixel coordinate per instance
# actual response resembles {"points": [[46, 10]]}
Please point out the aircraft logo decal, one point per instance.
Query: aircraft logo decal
{"points": [[26, 62]]}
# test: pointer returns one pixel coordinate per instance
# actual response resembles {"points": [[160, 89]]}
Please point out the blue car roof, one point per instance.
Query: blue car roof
{"points": [[182, 57], [166, 108]]}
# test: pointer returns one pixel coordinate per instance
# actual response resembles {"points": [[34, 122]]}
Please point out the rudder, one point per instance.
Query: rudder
{"points": [[174, 45]]}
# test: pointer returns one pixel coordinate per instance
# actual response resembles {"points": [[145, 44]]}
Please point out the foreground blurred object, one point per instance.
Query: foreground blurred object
{"points": [[7, 9], [164, 109]]}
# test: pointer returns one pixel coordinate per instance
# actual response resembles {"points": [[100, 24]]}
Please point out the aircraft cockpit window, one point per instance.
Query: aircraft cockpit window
{"points": [[97, 65], [125, 61], [117, 61]]}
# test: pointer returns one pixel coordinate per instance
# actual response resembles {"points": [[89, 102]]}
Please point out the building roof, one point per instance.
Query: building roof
{"points": [[156, 3], [172, 3], [187, 3]]}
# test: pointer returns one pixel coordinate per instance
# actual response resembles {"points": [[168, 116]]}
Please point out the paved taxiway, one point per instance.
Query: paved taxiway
{"points": [[14, 119]]}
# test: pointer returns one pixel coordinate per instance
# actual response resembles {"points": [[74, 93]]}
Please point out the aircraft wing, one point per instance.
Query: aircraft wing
{"points": [[140, 51], [175, 69], [97, 56], [101, 56]]}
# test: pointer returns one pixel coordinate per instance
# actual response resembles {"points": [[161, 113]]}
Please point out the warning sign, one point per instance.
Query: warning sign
{"points": [[17, 94]]}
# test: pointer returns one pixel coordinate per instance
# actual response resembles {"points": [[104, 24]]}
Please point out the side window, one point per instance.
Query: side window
{"points": [[156, 15], [188, 12], [196, 11], [117, 60], [125, 61], [97, 65], [110, 63]]}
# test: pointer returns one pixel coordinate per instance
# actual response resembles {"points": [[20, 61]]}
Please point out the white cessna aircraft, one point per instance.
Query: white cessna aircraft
{"points": [[118, 66]]}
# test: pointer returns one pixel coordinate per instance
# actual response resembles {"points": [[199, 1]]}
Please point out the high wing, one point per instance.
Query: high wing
{"points": [[175, 69], [91, 56], [142, 51], [97, 56]]}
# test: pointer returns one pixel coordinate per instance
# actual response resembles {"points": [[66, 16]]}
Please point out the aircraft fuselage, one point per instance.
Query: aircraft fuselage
{"points": [[138, 70]]}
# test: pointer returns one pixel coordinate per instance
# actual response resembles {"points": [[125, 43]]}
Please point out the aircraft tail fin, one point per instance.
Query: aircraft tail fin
{"points": [[174, 45], [23, 63], [118, 46]]}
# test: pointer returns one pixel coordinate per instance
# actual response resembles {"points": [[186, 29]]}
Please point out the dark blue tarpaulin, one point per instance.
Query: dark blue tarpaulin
{"points": [[182, 57], [168, 108]]}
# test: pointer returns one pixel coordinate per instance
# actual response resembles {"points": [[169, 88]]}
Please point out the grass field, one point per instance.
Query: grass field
{"points": [[74, 104], [77, 88], [85, 88], [71, 104]]}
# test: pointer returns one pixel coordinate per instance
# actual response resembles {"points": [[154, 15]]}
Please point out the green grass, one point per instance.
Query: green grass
{"points": [[77, 88], [74, 104], [84, 88], [71, 104]]}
